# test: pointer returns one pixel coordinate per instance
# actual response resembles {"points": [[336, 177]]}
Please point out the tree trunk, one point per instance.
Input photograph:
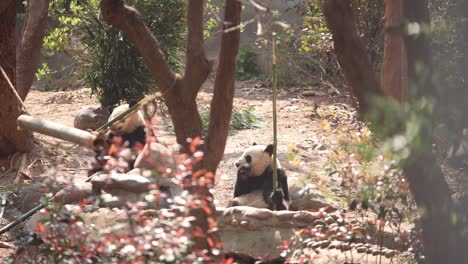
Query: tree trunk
{"points": [[180, 96], [351, 53], [393, 77], [11, 139], [443, 238], [29, 49], [221, 106]]}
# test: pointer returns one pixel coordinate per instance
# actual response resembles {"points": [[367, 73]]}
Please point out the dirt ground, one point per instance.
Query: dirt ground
{"points": [[299, 132]]}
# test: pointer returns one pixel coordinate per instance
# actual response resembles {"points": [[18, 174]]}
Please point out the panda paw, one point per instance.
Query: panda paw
{"points": [[277, 199]]}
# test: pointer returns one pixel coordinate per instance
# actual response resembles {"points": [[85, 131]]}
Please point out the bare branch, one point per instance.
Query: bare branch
{"points": [[198, 67], [131, 22]]}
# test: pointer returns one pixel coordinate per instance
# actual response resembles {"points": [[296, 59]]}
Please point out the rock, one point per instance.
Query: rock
{"points": [[315, 245], [305, 145], [244, 224], [329, 220], [361, 249], [284, 215], [155, 156], [31, 196], [334, 244], [319, 222], [306, 217], [74, 193], [106, 221], [314, 93], [260, 214], [91, 118], [308, 199], [131, 183], [325, 243], [389, 253], [118, 198]]}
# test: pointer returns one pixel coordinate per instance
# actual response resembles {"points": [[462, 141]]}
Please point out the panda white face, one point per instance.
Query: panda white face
{"points": [[256, 159], [129, 124]]}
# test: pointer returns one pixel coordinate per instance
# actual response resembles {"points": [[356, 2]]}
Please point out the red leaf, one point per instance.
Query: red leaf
{"points": [[210, 241]]}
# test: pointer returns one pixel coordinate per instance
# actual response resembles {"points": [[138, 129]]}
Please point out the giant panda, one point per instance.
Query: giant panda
{"points": [[254, 182], [131, 129], [128, 135]]}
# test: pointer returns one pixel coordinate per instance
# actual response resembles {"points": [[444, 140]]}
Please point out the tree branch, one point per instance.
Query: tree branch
{"points": [[221, 105], [198, 67], [29, 50], [444, 239], [131, 22], [393, 73]]}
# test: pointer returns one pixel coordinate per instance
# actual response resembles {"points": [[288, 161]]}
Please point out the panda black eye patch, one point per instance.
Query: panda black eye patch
{"points": [[248, 158]]}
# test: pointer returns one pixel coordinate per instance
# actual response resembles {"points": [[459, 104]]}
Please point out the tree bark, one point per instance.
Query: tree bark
{"points": [[11, 139], [221, 105], [197, 67], [351, 53], [180, 96], [29, 49], [393, 77], [443, 239]]}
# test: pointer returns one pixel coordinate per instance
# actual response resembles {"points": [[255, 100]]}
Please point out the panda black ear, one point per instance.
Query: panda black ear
{"points": [[132, 102], [269, 149], [254, 144]]}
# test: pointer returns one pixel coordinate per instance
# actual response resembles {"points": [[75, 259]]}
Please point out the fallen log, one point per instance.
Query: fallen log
{"points": [[57, 130]]}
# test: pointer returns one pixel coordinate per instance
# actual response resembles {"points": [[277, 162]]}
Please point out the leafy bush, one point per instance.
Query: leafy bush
{"points": [[113, 66], [247, 68], [304, 49], [240, 119], [153, 236]]}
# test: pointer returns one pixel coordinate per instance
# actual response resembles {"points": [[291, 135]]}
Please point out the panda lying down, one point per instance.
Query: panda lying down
{"points": [[254, 183]]}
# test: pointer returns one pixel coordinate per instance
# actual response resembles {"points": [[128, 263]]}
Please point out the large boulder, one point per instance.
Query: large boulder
{"points": [[91, 118], [309, 197]]}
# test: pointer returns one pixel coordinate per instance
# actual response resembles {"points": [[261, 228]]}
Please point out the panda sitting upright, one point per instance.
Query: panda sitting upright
{"points": [[254, 183]]}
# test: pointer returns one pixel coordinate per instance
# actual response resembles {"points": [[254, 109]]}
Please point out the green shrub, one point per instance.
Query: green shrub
{"points": [[240, 119], [247, 68], [113, 66]]}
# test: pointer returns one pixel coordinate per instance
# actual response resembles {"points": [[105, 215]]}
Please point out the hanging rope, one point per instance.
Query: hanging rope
{"points": [[10, 84]]}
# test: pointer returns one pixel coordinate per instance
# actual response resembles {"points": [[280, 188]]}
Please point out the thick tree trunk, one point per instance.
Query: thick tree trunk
{"points": [[180, 95], [442, 242], [180, 92], [351, 53], [29, 49], [393, 78], [221, 106], [443, 238], [11, 139]]}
